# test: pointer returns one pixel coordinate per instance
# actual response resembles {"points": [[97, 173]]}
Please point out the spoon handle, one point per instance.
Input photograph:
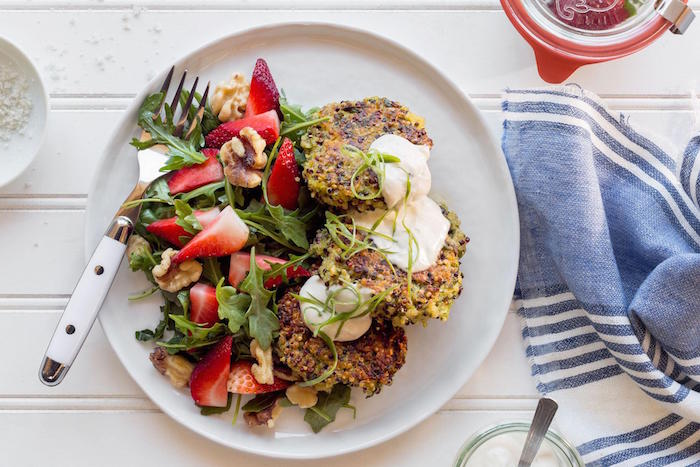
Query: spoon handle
{"points": [[546, 408]]}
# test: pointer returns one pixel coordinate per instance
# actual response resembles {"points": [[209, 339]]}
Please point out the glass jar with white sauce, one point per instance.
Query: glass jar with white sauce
{"points": [[501, 445]]}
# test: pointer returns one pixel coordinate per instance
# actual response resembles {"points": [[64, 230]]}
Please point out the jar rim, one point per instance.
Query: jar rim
{"points": [[480, 437], [572, 43]]}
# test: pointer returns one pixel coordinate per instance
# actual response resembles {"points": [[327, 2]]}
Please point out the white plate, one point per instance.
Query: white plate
{"points": [[17, 153], [316, 64]]}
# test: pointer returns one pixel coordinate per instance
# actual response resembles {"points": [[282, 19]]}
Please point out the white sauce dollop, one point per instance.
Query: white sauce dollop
{"points": [[414, 162], [345, 301], [504, 451], [421, 215]]}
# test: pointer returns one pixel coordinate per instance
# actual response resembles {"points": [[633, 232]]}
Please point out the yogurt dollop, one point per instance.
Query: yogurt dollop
{"points": [[415, 223], [345, 300], [504, 451]]}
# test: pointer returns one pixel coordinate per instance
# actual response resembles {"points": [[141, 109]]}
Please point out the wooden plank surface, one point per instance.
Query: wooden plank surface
{"points": [[91, 54]]}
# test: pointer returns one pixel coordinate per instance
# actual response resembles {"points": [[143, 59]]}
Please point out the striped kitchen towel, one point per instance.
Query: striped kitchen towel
{"points": [[609, 277]]}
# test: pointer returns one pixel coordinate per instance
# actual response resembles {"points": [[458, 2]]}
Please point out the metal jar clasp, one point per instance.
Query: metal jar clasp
{"points": [[677, 12]]}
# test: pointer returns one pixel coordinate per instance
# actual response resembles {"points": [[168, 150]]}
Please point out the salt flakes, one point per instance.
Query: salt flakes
{"points": [[15, 104]]}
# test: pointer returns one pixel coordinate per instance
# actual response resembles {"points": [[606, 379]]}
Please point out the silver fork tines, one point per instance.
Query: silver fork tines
{"points": [[200, 111], [185, 110]]}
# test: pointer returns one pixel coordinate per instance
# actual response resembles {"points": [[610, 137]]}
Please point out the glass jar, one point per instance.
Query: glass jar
{"points": [[566, 34], [565, 453]]}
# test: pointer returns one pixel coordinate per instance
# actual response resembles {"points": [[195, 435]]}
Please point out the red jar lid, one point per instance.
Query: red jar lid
{"points": [[566, 34]]}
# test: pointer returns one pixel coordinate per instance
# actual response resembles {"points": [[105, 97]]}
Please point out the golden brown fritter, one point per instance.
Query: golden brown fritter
{"points": [[328, 170], [369, 362], [432, 291]]}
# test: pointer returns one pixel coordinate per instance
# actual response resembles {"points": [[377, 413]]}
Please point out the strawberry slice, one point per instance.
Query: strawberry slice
{"points": [[209, 378], [267, 125], [242, 381], [263, 95], [194, 176], [168, 230], [204, 308], [240, 266], [284, 182], [591, 15], [225, 235]]}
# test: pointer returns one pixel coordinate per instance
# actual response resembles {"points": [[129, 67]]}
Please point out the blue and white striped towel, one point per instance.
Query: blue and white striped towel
{"points": [[609, 278]]}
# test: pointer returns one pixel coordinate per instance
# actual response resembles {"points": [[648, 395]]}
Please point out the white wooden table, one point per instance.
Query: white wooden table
{"points": [[94, 56]]}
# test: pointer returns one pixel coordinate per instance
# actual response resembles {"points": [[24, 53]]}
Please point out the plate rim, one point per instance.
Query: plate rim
{"points": [[509, 189]]}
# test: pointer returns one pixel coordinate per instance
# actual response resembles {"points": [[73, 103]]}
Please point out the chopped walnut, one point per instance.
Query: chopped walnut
{"points": [[262, 371], [243, 158], [284, 373], [136, 245], [229, 99], [257, 158], [264, 417], [174, 277], [302, 396], [175, 367]]}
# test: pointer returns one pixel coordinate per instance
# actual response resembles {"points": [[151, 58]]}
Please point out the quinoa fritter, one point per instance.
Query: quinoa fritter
{"points": [[328, 170], [368, 362], [432, 291]]}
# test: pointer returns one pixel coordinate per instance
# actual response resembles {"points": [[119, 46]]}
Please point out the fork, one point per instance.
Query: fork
{"points": [[93, 285]]}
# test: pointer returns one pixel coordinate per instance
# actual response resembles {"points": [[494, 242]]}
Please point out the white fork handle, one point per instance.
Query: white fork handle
{"points": [[85, 302]]}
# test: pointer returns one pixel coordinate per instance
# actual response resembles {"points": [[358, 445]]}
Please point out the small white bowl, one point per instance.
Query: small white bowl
{"points": [[17, 153]]}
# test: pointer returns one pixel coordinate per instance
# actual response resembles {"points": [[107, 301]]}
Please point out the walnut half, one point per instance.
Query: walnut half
{"points": [[262, 371], [302, 396], [243, 158], [264, 417], [174, 277], [229, 99], [175, 367]]}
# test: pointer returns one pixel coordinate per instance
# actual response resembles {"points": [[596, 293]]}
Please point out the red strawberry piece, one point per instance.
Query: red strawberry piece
{"points": [[292, 272], [224, 236], [194, 176], [284, 182], [266, 124], [168, 230], [242, 381], [210, 376], [591, 15], [240, 266], [263, 94], [204, 308]]}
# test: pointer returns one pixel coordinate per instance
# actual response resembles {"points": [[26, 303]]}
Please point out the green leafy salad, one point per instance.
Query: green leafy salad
{"points": [[272, 299]]}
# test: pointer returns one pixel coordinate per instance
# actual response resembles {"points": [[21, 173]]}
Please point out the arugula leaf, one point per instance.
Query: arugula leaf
{"points": [[206, 191], [199, 331], [144, 335], [292, 227], [142, 258], [212, 270], [157, 333], [327, 407], [207, 410], [261, 402], [181, 153], [288, 228], [238, 408], [159, 189], [262, 321], [141, 295], [295, 121], [191, 335], [183, 298], [232, 305], [186, 218]]}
